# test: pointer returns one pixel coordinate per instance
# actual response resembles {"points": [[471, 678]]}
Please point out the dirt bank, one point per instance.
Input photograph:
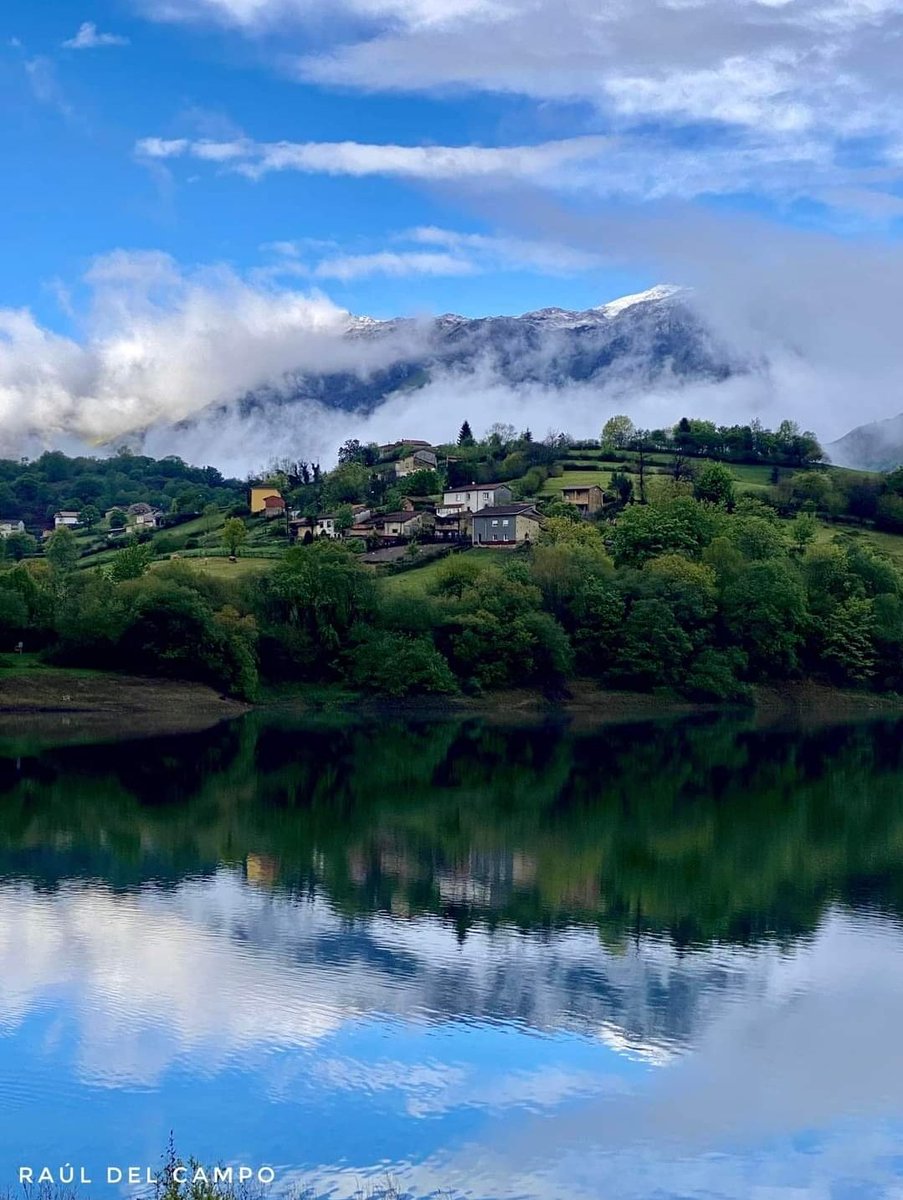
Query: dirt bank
{"points": [[61, 703]]}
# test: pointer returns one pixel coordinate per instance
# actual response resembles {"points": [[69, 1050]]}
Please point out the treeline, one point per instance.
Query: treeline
{"points": [[694, 591], [32, 491]]}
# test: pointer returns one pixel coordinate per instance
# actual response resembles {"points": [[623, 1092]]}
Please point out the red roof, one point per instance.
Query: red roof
{"points": [[274, 502]]}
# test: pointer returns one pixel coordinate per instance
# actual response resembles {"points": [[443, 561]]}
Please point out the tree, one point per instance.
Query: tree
{"points": [[715, 485], [344, 518], [234, 534], [20, 545], [89, 516], [61, 551], [617, 433], [131, 562], [465, 436], [118, 519], [803, 531], [211, 512]]}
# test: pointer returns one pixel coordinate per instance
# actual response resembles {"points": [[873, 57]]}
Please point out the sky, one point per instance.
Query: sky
{"points": [[184, 173]]}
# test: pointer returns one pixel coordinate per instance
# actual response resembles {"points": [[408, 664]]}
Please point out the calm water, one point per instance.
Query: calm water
{"points": [[651, 961]]}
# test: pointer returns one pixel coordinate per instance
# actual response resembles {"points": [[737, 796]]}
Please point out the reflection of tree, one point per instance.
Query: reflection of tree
{"points": [[704, 829]]}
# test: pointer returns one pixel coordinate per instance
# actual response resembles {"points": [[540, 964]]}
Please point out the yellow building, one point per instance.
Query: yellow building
{"points": [[259, 498]]}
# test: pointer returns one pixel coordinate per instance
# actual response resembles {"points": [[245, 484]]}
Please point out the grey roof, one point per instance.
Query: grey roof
{"points": [[508, 510]]}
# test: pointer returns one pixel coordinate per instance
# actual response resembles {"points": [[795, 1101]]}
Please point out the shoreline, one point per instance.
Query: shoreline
{"points": [[63, 704]]}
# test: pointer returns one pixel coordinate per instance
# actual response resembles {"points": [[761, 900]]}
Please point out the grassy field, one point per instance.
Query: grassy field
{"points": [[221, 568], [417, 581], [553, 486]]}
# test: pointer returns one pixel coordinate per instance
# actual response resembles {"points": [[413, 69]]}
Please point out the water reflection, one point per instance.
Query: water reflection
{"points": [[663, 959]]}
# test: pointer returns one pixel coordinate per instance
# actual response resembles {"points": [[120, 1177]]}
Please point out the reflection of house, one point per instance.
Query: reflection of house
{"points": [[258, 498], [585, 499], [420, 460], [65, 520], [273, 506], [261, 869], [7, 528], [505, 525], [405, 524], [473, 497]]}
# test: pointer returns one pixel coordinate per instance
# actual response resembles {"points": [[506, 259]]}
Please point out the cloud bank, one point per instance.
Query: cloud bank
{"points": [[794, 100]]}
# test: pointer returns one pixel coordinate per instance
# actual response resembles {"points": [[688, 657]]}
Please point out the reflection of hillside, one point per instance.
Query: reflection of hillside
{"points": [[703, 830]]}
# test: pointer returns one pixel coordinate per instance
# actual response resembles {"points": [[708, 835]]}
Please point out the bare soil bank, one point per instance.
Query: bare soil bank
{"points": [[61, 704]]}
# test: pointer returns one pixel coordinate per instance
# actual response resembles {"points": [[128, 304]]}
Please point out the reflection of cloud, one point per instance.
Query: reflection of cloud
{"points": [[763, 1044]]}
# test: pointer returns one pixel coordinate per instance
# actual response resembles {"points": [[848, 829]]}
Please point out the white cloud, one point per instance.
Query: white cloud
{"points": [[763, 85], [357, 159], [161, 345], [347, 267], [89, 38]]}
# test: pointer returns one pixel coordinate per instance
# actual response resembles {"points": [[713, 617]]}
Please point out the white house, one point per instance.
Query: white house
{"points": [[473, 497], [326, 526], [65, 520], [7, 528]]}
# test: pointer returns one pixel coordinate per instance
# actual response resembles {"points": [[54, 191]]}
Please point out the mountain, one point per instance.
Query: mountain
{"points": [[874, 447], [631, 342]]}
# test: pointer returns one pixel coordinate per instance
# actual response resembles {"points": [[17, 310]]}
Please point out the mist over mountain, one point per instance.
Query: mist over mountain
{"points": [[877, 446], [629, 343]]}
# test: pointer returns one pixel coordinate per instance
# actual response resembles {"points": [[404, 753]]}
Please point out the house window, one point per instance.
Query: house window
{"points": [[495, 537], [495, 520], [505, 522]]}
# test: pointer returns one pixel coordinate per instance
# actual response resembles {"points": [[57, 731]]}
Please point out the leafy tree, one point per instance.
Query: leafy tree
{"points": [[89, 516], [234, 534], [118, 519], [131, 562], [617, 433], [19, 545], [765, 613], [622, 486], [397, 664], [715, 484], [344, 518], [803, 531], [347, 484], [61, 550]]}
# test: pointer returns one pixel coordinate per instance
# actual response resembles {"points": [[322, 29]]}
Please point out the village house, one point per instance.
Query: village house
{"points": [[8, 528], [361, 513], [258, 498], [586, 500], [410, 443], [149, 519], [455, 527], [505, 525], [326, 526], [65, 520], [273, 506], [405, 524], [474, 497], [420, 460], [301, 529]]}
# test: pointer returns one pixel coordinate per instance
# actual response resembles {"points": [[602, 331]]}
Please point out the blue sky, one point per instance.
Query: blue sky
{"points": [[183, 176]]}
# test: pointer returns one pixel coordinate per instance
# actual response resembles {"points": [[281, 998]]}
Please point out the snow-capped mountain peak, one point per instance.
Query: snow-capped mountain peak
{"points": [[662, 291]]}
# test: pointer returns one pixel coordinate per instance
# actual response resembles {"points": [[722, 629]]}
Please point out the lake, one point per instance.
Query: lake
{"points": [[648, 960]]}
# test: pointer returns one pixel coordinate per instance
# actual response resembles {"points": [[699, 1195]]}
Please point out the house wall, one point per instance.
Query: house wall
{"points": [[489, 530], [474, 498], [258, 497]]}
